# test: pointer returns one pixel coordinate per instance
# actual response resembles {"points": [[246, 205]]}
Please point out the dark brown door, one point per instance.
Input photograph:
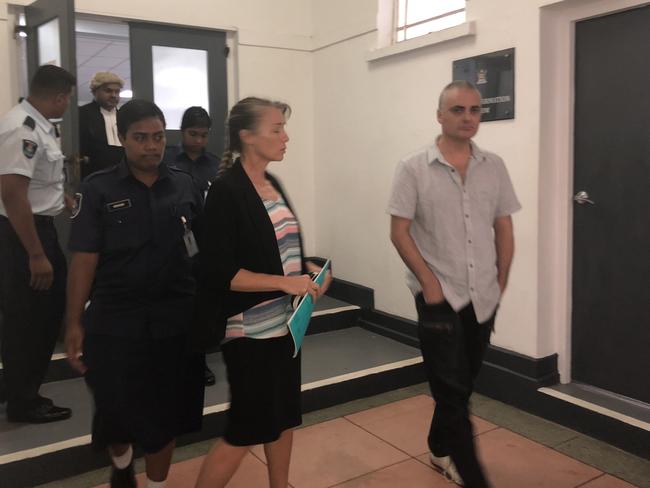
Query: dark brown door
{"points": [[611, 236]]}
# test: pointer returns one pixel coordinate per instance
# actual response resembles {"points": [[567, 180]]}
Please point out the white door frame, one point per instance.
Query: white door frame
{"points": [[557, 55]]}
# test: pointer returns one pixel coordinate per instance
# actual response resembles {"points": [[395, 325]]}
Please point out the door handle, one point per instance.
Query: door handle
{"points": [[582, 197]]}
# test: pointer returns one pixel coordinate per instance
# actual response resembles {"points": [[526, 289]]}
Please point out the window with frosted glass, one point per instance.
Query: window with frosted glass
{"points": [[49, 44], [419, 17], [180, 80]]}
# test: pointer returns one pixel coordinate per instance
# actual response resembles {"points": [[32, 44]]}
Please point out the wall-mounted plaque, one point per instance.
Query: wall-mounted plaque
{"points": [[494, 76]]}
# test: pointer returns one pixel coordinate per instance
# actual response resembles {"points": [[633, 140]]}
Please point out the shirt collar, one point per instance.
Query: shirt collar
{"points": [[434, 154], [42, 122], [124, 171], [108, 113], [181, 152]]}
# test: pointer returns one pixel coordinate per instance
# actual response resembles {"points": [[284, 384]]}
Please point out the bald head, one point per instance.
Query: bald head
{"points": [[455, 85]]}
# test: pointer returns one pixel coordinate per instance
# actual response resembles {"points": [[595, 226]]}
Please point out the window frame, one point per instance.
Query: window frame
{"points": [[397, 28]]}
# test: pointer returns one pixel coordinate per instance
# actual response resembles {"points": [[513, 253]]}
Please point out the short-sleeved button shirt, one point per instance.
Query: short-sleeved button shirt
{"points": [[143, 281], [453, 222], [29, 146], [204, 170]]}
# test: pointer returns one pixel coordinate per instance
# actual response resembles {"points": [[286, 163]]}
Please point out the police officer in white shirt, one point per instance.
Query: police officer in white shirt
{"points": [[33, 277]]}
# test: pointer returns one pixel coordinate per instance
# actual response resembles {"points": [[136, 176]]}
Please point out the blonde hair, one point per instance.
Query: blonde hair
{"points": [[245, 115]]}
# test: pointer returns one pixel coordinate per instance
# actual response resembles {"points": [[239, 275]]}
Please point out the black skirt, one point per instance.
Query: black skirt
{"points": [[264, 389], [147, 391]]}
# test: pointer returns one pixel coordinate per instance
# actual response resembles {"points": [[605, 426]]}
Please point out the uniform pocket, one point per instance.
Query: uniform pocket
{"points": [[123, 230], [51, 168]]}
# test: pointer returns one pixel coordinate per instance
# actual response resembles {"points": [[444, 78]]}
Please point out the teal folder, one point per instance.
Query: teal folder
{"points": [[299, 320]]}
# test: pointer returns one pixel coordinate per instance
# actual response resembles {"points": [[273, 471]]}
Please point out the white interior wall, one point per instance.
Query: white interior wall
{"points": [[370, 114], [273, 59], [353, 120]]}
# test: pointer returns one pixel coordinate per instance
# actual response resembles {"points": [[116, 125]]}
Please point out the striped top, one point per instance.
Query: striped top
{"points": [[269, 319]]}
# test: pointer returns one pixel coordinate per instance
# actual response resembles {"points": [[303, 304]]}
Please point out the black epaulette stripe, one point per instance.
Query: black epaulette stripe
{"points": [[178, 170], [100, 172], [29, 122]]}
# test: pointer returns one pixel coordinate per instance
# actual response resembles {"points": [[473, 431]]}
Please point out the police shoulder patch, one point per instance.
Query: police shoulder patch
{"points": [[29, 148], [29, 122], [78, 198]]}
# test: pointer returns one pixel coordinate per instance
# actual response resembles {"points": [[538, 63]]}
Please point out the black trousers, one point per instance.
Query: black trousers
{"points": [[31, 319], [453, 346]]}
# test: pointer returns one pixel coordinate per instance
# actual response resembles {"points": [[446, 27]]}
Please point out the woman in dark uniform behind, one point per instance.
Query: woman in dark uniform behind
{"points": [[132, 258]]}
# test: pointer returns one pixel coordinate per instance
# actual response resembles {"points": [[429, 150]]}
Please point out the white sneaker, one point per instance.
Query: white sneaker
{"points": [[447, 468]]}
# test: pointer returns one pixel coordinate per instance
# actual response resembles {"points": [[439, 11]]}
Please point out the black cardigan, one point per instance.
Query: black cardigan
{"points": [[236, 233]]}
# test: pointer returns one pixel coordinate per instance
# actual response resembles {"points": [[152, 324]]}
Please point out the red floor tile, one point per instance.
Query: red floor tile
{"points": [[512, 461], [389, 410], [407, 474], [251, 473], [405, 424], [336, 451]]}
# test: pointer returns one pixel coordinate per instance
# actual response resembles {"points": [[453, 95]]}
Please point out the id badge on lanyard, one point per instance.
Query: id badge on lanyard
{"points": [[188, 238]]}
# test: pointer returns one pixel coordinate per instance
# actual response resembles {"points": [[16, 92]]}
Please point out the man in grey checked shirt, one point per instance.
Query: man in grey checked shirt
{"points": [[450, 208]]}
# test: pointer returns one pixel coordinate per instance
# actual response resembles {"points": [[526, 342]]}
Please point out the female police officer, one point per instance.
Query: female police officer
{"points": [[132, 242]]}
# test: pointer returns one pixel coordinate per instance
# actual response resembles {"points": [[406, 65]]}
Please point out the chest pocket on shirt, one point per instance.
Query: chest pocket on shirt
{"points": [[486, 201], [124, 229], [50, 167]]}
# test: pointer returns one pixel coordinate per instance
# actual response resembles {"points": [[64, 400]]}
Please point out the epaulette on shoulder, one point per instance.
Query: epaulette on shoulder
{"points": [[177, 169], [29, 122], [101, 172]]}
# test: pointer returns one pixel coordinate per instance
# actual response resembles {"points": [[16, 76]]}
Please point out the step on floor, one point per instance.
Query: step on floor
{"points": [[324, 306], [328, 358]]}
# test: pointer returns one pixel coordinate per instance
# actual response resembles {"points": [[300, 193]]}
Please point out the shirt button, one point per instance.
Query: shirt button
{"points": [[467, 216], [471, 265], [469, 242], [453, 170], [471, 289]]}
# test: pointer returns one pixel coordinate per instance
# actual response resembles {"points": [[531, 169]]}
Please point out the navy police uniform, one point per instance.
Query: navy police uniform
{"points": [[147, 387], [31, 319], [204, 169]]}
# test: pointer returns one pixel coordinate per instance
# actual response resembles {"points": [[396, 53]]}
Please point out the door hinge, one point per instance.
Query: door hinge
{"points": [[226, 51]]}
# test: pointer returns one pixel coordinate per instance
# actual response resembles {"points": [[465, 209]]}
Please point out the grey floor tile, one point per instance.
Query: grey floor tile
{"points": [[327, 303], [609, 459], [325, 356], [535, 428]]}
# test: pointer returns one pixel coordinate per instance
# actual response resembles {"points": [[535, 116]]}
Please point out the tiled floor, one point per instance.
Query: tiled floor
{"points": [[385, 447]]}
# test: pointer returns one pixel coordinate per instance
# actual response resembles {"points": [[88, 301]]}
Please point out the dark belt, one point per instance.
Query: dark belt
{"points": [[45, 219]]}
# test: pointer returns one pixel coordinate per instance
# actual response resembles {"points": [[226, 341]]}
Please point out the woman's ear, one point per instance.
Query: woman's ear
{"points": [[246, 136]]}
